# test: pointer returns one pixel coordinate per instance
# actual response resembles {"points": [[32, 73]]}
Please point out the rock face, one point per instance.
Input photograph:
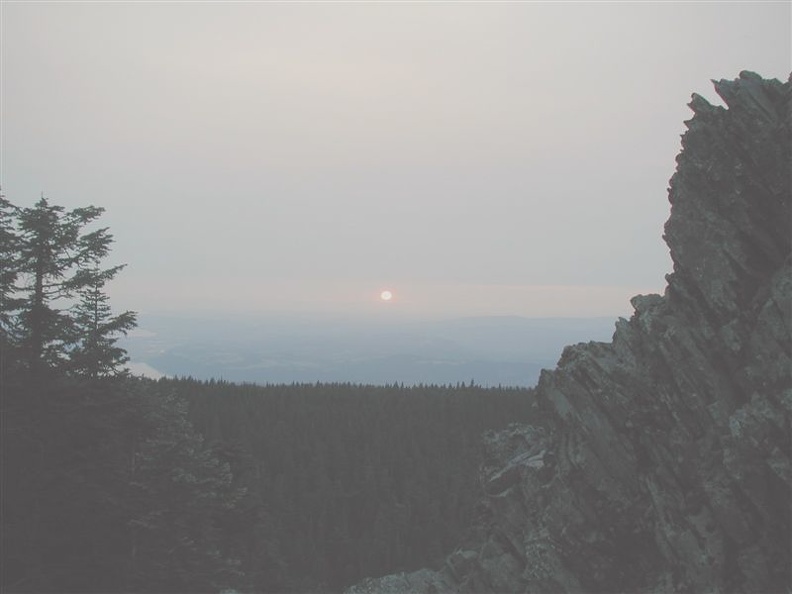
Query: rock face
{"points": [[663, 459]]}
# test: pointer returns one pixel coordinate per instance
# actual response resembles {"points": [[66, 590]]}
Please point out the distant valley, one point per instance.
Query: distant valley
{"points": [[489, 351]]}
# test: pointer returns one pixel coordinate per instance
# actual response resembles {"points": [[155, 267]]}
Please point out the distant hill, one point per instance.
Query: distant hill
{"points": [[490, 351]]}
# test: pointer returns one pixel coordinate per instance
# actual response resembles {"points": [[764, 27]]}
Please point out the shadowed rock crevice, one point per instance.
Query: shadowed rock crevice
{"points": [[664, 464]]}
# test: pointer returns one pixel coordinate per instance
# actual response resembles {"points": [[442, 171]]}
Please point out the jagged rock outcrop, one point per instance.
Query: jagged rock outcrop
{"points": [[664, 461]]}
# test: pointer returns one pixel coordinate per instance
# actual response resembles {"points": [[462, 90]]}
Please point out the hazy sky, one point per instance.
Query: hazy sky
{"points": [[474, 158]]}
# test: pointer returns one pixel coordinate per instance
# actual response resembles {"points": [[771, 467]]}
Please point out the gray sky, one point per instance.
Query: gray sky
{"points": [[474, 158]]}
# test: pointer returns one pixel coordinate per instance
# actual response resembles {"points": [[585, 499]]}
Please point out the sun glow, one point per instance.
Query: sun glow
{"points": [[386, 296]]}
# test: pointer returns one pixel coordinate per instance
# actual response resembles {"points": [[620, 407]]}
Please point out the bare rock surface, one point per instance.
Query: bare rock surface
{"points": [[662, 463]]}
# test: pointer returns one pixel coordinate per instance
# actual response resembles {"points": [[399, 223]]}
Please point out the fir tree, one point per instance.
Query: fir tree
{"points": [[106, 485], [96, 353], [58, 261], [9, 246]]}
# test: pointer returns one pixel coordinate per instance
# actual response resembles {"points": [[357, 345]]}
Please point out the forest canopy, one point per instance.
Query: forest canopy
{"points": [[107, 487], [114, 483]]}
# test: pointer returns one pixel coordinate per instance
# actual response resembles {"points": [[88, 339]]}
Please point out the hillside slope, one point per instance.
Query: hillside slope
{"points": [[667, 466]]}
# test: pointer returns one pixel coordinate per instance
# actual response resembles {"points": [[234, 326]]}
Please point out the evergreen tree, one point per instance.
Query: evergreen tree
{"points": [[106, 485], [57, 261], [9, 246], [96, 354], [182, 495]]}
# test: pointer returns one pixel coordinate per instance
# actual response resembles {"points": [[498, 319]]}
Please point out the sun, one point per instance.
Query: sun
{"points": [[386, 296]]}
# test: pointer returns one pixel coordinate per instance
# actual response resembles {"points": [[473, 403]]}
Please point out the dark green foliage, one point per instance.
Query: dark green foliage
{"points": [[49, 260], [9, 271], [181, 497], [107, 488], [355, 480], [60, 486], [50, 247], [95, 353]]}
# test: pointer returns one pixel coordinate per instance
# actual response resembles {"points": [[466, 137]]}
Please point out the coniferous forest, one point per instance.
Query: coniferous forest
{"points": [[113, 483]]}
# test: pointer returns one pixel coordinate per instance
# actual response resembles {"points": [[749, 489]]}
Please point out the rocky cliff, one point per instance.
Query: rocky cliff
{"points": [[662, 459]]}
